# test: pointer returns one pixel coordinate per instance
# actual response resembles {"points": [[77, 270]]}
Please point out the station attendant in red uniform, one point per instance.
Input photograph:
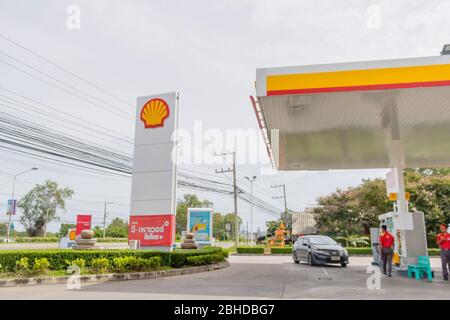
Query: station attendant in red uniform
{"points": [[387, 250], [443, 240]]}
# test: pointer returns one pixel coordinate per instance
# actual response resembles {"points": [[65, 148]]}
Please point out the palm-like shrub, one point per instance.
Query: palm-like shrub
{"points": [[354, 240]]}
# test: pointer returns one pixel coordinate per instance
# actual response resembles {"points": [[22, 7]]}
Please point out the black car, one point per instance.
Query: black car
{"points": [[319, 250]]}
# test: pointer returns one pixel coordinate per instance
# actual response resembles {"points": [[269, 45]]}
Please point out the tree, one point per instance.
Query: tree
{"points": [[335, 214], [39, 206], [188, 201], [371, 201], [220, 222], [64, 229], [98, 232], [286, 218], [352, 211], [219, 231], [271, 227], [430, 194], [118, 228], [3, 228], [230, 219], [356, 210], [430, 171]]}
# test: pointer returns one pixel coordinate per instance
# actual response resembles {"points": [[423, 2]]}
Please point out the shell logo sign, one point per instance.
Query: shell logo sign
{"points": [[154, 112], [72, 234]]}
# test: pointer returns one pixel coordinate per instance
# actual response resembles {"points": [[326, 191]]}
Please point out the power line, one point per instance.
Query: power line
{"points": [[59, 123], [26, 136], [57, 80], [59, 120], [235, 191], [61, 162], [95, 127], [53, 145], [117, 113], [22, 124], [285, 201]]}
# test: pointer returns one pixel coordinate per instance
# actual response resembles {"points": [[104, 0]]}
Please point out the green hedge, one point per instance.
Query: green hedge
{"points": [[434, 252], [56, 239], [58, 258], [255, 250], [130, 263], [36, 239], [205, 259], [362, 250], [112, 240], [179, 256], [285, 250], [368, 251]]}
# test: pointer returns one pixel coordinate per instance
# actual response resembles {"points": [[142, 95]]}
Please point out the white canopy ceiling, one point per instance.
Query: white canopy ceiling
{"points": [[360, 128]]}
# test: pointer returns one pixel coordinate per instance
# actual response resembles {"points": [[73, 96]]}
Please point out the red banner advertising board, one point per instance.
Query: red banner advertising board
{"points": [[152, 230], [83, 222]]}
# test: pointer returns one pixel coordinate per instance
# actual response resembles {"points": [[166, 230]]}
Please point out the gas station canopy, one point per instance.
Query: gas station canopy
{"points": [[374, 114]]}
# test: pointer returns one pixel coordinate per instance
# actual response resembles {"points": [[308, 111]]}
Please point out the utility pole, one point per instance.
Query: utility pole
{"points": [[13, 205], [235, 190], [247, 233], [104, 218], [282, 197], [251, 180]]}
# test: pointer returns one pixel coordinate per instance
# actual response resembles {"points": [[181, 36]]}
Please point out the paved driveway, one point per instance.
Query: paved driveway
{"points": [[252, 277]]}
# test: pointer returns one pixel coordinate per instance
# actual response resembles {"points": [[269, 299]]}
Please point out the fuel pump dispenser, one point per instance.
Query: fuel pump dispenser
{"points": [[409, 232], [408, 228]]}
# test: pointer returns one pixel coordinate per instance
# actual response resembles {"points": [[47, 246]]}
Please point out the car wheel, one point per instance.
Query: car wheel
{"points": [[294, 257], [343, 265], [311, 260]]}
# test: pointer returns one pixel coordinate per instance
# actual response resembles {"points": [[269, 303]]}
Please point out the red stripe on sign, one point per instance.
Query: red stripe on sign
{"points": [[361, 88]]}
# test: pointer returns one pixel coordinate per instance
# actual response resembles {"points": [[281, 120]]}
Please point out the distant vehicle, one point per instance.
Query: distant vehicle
{"points": [[318, 250]]}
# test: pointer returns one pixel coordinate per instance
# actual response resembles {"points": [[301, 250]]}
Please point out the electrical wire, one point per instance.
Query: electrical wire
{"points": [[57, 80], [96, 127]]}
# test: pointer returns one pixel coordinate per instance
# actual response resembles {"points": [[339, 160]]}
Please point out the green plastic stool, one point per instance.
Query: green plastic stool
{"points": [[421, 269]]}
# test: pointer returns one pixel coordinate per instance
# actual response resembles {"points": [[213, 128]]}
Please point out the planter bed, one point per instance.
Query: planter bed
{"points": [[13, 282]]}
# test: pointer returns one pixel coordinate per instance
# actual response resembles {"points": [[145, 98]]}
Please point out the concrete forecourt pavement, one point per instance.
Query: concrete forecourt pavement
{"points": [[253, 277]]}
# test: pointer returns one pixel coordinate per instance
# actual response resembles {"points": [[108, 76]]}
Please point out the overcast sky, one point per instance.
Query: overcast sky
{"points": [[206, 50]]}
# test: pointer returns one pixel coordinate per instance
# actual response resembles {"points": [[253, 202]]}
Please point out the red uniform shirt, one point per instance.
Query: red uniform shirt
{"points": [[386, 240], [446, 243]]}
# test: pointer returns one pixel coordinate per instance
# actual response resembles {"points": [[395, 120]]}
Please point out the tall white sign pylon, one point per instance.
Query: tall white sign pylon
{"points": [[153, 190]]}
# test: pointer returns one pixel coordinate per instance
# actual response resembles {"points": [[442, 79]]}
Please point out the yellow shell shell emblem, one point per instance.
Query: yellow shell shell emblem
{"points": [[154, 112]]}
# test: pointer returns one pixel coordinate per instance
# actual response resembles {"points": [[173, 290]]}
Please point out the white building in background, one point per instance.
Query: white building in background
{"points": [[303, 222]]}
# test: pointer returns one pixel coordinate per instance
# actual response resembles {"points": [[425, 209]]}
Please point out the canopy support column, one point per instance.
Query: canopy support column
{"points": [[402, 204]]}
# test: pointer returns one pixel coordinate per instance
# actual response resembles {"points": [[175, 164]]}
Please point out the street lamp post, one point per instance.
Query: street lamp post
{"points": [[13, 207], [251, 180]]}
